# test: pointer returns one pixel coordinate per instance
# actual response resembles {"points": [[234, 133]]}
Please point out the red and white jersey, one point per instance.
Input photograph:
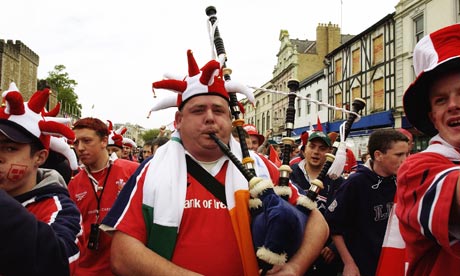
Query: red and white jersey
{"points": [[426, 186]]}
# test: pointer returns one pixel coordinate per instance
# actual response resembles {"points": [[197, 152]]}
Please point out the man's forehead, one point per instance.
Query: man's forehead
{"points": [[211, 100]]}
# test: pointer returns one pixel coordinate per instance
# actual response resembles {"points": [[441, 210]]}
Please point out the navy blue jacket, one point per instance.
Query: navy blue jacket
{"points": [[360, 212], [325, 196], [29, 246]]}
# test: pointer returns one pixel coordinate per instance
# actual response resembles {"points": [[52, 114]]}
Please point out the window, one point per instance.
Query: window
{"points": [[308, 104], [299, 107], [356, 65], [338, 70], [377, 49], [418, 25], [356, 92], [319, 97], [378, 95], [268, 120], [338, 103], [263, 122]]}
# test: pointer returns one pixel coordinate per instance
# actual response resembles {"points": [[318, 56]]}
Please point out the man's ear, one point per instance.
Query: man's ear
{"points": [[178, 119], [104, 141], [377, 155], [41, 157]]}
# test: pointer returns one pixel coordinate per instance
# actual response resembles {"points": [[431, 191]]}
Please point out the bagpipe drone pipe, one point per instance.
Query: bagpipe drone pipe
{"points": [[279, 216], [277, 226]]}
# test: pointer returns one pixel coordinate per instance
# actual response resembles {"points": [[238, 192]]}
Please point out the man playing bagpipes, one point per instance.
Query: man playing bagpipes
{"points": [[168, 221]]}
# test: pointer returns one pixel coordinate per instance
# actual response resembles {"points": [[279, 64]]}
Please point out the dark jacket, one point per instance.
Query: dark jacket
{"points": [[360, 214], [39, 229]]}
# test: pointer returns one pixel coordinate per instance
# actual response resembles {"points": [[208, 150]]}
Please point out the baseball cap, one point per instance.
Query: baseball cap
{"points": [[320, 135], [252, 130], [16, 132]]}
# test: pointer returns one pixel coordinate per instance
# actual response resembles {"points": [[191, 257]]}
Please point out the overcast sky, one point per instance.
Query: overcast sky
{"points": [[116, 49]]}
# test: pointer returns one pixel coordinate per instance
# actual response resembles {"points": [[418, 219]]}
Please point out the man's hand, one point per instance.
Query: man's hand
{"points": [[268, 133], [328, 255]]}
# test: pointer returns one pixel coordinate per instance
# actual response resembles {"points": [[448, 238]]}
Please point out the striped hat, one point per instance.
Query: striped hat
{"points": [[434, 54]]}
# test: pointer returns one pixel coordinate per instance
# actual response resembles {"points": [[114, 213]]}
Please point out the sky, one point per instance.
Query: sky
{"points": [[115, 49]]}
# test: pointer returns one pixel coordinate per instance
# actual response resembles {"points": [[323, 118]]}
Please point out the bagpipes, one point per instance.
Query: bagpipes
{"points": [[277, 226], [271, 215], [238, 123]]}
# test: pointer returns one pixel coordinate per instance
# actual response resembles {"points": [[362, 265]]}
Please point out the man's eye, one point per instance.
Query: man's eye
{"points": [[439, 100]]}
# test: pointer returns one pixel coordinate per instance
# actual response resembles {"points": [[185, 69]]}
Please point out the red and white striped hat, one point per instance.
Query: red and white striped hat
{"points": [[24, 122], [205, 81], [436, 53]]}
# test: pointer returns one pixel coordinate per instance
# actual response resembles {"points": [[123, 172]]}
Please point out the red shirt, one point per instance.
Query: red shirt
{"points": [[81, 189]]}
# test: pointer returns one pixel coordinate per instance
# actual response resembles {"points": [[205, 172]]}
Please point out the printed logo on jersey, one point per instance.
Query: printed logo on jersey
{"points": [[120, 184], [333, 205], [80, 196]]}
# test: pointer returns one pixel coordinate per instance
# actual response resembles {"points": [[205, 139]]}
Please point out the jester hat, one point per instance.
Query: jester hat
{"points": [[115, 136], [205, 81], [24, 122]]}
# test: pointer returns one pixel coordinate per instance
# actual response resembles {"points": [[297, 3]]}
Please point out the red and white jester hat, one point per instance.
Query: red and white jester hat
{"points": [[207, 80], [23, 122], [115, 136], [436, 53]]}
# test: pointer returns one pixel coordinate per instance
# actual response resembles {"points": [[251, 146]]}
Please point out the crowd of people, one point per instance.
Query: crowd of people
{"points": [[96, 203]]}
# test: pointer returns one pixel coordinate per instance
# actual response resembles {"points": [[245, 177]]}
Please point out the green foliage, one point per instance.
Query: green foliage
{"points": [[60, 82], [150, 134]]}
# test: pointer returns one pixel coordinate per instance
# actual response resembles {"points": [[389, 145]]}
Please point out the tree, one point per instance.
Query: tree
{"points": [[60, 83], [150, 134]]}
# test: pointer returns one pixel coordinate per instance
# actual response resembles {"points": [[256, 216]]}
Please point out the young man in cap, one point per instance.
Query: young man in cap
{"points": [[169, 223], [39, 223], [359, 213], [316, 147], [95, 189], [428, 195], [256, 139]]}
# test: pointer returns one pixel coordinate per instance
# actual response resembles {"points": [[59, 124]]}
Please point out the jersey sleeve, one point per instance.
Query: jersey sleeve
{"points": [[34, 247], [426, 188], [126, 213]]}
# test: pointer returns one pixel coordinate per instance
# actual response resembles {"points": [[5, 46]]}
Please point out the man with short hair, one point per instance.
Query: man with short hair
{"points": [[257, 139], [359, 213], [95, 189], [39, 223], [316, 146], [147, 150], [170, 222], [428, 195]]}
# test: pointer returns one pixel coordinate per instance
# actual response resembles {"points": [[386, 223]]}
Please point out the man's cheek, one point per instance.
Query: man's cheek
{"points": [[16, 172]]}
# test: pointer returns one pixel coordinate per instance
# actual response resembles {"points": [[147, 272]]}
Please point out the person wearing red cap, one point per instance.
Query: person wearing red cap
{"points": [[95, 189], [428, 194], [39, 223], [256, 139], [169, 221]]}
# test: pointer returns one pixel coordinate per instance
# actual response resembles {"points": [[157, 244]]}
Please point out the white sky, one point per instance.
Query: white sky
{"points": [[116, 49]]}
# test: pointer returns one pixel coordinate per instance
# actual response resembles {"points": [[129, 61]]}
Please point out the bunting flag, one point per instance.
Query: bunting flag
{"points": [[319, 126], [273, 156], [393, 255]]}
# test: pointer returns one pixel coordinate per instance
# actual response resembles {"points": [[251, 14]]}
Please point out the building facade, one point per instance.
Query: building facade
{"points": [[18, 64], [363, 67], [413, 20], [296, 59]]}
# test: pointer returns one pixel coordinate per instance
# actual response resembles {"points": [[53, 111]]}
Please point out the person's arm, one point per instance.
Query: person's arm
{"points": [[315, 236], [129, 256], [454, 218], [32, 247], [350, 267]]}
